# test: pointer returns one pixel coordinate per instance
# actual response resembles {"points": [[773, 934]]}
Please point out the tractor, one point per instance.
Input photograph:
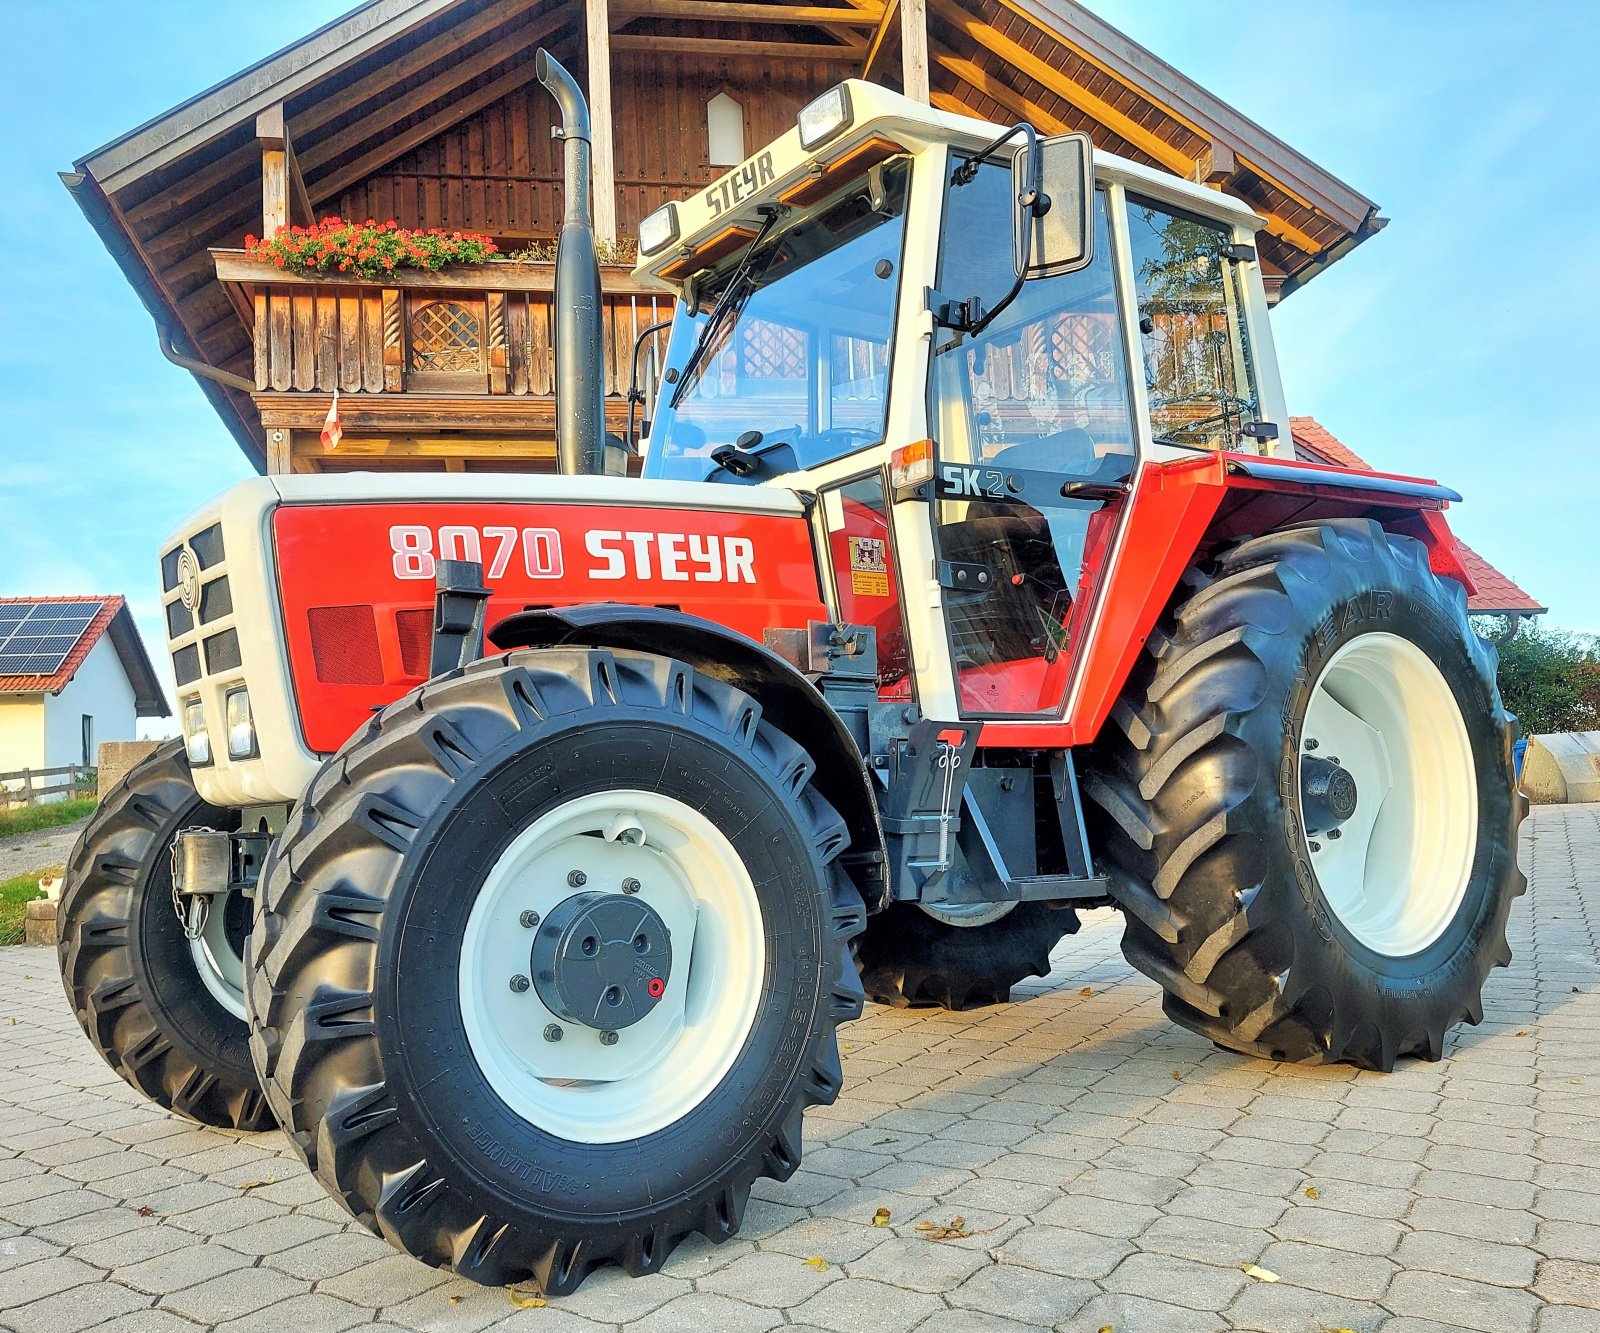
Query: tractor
{"points": [[531, 835]]}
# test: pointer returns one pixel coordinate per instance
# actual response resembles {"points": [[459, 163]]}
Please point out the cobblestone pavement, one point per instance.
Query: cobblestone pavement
{"points": [[1113, 1170]]}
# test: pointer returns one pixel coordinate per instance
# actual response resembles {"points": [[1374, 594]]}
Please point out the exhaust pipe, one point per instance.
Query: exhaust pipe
{"points": [[580, 388]]}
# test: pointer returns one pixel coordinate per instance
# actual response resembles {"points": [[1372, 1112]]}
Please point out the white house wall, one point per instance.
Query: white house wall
{"points": [[100, 687]]}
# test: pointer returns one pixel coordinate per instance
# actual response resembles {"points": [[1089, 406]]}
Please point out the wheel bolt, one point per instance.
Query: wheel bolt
{"points": [[520, 983], [1316, 846], [1311, 744], [577, 879], [529, 919], [608, 1038], [630, 885], [1334, 833], [554, 1032]]}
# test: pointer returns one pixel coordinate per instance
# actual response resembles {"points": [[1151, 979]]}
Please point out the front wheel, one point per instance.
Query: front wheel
{"points": [[1305, 802], [548, 965], [163, 1005]]}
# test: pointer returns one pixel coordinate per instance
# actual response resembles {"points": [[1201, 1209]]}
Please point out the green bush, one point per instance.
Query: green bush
{"points": [[1549, 678]]}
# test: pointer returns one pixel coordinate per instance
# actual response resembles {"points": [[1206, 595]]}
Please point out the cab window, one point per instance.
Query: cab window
{"points": [[1197, 369]]}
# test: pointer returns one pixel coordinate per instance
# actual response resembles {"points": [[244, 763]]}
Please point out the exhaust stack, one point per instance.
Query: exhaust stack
{"points": [[580, 390]]}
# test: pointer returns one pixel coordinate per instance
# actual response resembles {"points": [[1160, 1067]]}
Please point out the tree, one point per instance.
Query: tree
{"points": [[1550, 679]]}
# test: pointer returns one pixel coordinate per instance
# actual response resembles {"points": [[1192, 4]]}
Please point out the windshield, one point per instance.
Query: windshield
{"points": [[801, 353]]}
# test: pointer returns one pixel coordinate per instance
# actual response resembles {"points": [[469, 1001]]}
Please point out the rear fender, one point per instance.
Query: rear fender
{"points": [[788, 700], [1184, 512]]}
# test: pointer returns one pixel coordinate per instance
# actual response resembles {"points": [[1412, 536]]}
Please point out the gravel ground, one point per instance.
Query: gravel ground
{"points": [[1113, 1171], [21, 853]]}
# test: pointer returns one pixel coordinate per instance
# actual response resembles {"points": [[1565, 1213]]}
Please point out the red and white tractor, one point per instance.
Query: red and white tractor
{"points": [[970, 580]]}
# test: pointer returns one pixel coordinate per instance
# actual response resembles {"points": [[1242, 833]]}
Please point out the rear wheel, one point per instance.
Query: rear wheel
{"points": [[959, 957], [549, 962], [165, 1010], [1305, 802]]}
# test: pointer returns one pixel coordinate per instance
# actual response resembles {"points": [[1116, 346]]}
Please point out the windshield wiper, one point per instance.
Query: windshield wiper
{"points": [[733, 295]]}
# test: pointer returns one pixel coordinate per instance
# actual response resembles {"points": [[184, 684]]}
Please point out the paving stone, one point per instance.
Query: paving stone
{"points": [[233, 1295], [1184, 1282], [1570, 1282], [1279, 1307], [80, 1308], [1469, 1304], [314, 1312], [1359, 1277], [862, 1303], [770, 1278], [919, 1263], [702, 1311], [1234, 1207], [1203, 1240], [1081, 1254], [1024, 1294], [176, 1269], [1466, 1256], [1340, 1231], [43, 1277], [1126, 1313]]}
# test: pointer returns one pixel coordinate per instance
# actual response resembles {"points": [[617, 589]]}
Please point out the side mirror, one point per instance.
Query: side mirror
{"points": [[1060, 239]]}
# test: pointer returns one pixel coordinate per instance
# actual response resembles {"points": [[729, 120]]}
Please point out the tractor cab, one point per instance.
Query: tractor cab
{"points": [[964, 342]]}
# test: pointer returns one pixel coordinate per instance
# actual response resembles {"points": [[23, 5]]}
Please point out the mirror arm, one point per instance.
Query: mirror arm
{"points": [[1034, 199], [635, 393]]}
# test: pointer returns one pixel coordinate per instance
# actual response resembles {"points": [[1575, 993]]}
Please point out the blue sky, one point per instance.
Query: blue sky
{"points": [[1460, 343]]}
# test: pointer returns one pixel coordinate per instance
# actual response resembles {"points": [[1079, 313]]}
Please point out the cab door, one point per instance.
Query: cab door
{"points": [[1035, 442]]}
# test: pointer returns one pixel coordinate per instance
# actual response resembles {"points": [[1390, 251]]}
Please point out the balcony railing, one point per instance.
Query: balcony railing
{"points": [[485, 330]]}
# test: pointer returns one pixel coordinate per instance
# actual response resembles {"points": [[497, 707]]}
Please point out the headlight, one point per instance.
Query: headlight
{"points": [[241, 725], [823, 118], [196, 740], [658, 230]]}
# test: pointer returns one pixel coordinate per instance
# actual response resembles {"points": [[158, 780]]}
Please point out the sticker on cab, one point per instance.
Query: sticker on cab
{"points": [[869, 567]]}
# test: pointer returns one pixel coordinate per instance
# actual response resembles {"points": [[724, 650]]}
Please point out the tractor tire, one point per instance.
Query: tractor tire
{"points": [[1324, 679], [158, 1007], [911, 959], [460, 1094]]}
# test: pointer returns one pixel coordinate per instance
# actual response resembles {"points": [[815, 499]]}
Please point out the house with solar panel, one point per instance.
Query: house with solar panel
{"points": [[73, 673]]}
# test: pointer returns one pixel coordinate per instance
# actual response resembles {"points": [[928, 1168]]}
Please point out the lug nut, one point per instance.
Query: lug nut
{"points": [[608, 1038], [1316, 846], [1334, 833], [630, 885], [1311, 744], [529, 919], [520, 983], [577, 879], [554, 1032]]}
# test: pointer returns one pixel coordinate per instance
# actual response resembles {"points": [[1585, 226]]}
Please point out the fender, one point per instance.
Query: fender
{"points": [[787, 699], [1182, 511]]}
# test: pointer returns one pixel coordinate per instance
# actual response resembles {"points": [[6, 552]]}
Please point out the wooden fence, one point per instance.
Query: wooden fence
{"points": [[30, 786]]}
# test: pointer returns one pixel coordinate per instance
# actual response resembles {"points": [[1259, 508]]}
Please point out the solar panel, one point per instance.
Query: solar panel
{"points": [[37, 637]]}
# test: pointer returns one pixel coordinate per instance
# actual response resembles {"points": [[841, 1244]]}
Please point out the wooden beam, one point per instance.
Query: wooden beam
{"points": [[469, 104], [284, 198], [602, 139], [715, 11], [944, 101], [975, 76], [914, 49], [1096, 108], [876, 46], [1215, 164], [1287, 231], [699, 46]]}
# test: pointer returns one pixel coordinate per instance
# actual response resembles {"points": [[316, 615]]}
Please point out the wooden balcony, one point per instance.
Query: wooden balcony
{"points": [[453, 370]]}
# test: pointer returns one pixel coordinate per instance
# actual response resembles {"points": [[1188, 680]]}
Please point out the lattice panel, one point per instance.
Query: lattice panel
{"points": [[1083, 347], [446, 336], [771, 351]]}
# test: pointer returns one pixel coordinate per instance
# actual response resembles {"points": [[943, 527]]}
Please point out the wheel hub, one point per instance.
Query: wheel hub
{"points": [[1328, 794], [602, 960]]}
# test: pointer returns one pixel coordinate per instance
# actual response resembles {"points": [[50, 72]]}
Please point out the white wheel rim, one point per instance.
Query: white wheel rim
{"points": [[662, 1067], [220, 967], [1397, 870], [967, 915]]}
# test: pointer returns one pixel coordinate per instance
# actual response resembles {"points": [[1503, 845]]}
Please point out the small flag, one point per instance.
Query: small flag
{"points": [[332, 430]]}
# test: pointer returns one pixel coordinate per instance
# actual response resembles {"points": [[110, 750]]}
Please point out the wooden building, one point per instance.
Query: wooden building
{"points": [[427, 112]]}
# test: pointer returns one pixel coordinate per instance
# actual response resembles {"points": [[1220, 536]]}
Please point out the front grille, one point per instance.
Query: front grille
{"points": [[222, 652], [202, 640], [216, 600], [344, 645]]}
